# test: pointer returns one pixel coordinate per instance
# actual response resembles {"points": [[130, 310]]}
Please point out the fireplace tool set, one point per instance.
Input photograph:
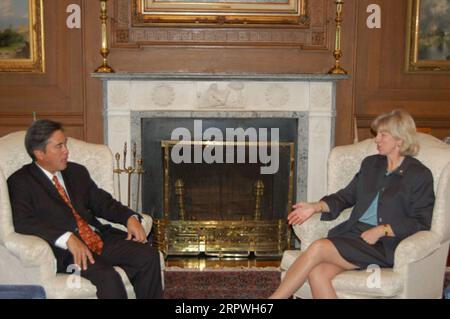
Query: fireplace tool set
{"points": [[135, 168]]}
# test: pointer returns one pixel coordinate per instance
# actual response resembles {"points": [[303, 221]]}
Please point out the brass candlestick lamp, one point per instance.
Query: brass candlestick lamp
{"points": [[104, 51], [337, 69]]}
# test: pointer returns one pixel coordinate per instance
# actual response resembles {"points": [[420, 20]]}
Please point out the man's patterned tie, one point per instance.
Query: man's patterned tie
{"points": [[90, 238]]}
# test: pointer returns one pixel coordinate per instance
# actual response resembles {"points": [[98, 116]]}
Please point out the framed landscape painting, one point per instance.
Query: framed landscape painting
{"points": [[428, 40], [222, 12], [21, 36]]}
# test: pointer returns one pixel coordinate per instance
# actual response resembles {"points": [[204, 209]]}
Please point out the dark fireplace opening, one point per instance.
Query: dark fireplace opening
{"points": [[229, 191], [220, 191]]}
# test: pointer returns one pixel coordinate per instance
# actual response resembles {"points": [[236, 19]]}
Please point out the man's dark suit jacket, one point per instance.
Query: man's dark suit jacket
{"points": [[39, 210], [405, 202]]}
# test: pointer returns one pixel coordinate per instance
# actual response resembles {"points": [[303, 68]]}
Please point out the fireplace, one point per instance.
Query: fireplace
{"points": [[225, 194], [134, 105]]}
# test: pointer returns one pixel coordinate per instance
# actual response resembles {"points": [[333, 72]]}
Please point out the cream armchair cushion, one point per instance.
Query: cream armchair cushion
{"points": [[420, 260], [28, 259]]}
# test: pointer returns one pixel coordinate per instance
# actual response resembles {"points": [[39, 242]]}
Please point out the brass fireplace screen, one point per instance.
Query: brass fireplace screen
{"points": [[225, 209]]}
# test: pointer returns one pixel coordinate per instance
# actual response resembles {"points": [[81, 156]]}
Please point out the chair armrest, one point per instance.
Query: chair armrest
{"points": [[32, 251], [415, 248], [146, 222], [314, 228], [310, 231]]}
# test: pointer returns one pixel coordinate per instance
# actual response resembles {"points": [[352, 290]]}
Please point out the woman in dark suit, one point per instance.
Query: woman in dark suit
{"points": [[392, 198]]}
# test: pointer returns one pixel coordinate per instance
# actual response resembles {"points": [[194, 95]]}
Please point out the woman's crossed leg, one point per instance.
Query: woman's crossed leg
{"points": [[323, 255]]}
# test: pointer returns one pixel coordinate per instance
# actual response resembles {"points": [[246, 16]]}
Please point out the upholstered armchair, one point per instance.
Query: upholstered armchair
{"points": [[29, 260], [420, 260]]}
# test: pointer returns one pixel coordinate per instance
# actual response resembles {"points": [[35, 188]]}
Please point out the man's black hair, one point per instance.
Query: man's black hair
{"points": [[38, 135]]}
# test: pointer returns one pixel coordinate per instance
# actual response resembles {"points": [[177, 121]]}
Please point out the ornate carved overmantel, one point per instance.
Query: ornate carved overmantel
{"points": [[311, 32]]}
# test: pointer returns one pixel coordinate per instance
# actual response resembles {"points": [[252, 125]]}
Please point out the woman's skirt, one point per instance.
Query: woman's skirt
{"points": [[356, 251]]}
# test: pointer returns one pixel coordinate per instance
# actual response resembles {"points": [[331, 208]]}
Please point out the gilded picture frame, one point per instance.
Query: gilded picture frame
{"points": [[220, 12], [22, 36], [428, 36]]}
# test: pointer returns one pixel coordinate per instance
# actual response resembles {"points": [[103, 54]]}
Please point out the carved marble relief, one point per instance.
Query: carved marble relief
{"points": [[277, 95], [163, 95], [230, 96]]}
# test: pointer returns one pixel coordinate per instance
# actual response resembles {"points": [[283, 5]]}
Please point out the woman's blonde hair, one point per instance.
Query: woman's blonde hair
{"points": [[401, 126]]}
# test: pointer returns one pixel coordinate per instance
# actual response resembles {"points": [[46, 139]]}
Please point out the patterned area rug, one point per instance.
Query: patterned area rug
{"points": [[226, 283]]}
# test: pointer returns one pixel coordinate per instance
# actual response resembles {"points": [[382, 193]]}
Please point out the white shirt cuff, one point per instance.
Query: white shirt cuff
{"points": [[61, 242]]}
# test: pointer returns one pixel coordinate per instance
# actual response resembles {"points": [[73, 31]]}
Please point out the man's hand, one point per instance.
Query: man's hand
{"points": [[302, 211], [80, 252], [372, 235], [135, 230]]}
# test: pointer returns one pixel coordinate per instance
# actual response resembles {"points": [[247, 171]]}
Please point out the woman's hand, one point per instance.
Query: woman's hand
{"points": [[302, 211], [372, 235]]}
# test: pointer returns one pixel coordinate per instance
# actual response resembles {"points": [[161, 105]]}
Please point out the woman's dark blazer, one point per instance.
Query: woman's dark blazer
{"points": [[405, 202]]}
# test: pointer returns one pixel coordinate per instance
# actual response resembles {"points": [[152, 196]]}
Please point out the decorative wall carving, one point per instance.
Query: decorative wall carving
{"points": [[277, 95], [163, 95], [231, 96]]}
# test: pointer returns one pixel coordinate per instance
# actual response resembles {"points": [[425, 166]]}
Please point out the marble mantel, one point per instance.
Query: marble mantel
{"points": [[129, 97]]}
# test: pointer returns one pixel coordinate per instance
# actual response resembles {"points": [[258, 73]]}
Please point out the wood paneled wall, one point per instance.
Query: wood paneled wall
{"points": [[381, 83], [373, 57], [57, 94], [65, 92]]}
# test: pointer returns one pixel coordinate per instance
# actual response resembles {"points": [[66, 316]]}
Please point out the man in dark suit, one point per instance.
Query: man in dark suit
{"points": [[58, 201]]}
